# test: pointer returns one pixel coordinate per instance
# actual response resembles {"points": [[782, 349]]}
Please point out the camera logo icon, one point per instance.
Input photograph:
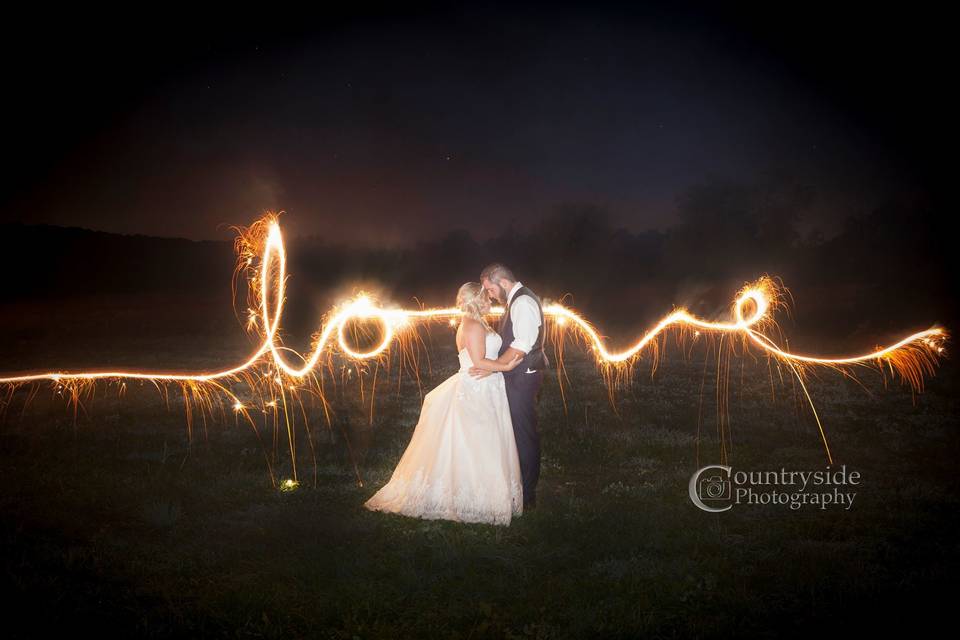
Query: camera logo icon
{"points": [[710, 488]]}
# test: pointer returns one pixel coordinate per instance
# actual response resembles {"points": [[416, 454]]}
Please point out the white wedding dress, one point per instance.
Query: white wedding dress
{"points": [[461, 463]]}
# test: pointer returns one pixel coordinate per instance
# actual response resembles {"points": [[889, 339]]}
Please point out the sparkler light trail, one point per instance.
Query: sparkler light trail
{"points": [[268, 374]]}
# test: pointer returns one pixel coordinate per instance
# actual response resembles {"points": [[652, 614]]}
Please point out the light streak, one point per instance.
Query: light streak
{"points": [[912, 358]]}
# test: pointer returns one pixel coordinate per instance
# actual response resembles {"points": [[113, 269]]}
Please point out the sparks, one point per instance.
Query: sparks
{"points": [[763, 294], [912, 358]]}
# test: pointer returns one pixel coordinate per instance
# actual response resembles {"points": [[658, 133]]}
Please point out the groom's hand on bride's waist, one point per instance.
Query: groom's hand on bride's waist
{"points": [[477, 372]]}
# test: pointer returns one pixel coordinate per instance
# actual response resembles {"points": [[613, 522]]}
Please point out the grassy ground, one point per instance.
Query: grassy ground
{"points": [[121, 527]]}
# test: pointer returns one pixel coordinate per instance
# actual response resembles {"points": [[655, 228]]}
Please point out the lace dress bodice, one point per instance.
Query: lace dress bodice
{"points": [[493, 343]]}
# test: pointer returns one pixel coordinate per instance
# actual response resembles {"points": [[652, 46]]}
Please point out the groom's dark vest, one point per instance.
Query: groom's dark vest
{"points": [[536, 359]]}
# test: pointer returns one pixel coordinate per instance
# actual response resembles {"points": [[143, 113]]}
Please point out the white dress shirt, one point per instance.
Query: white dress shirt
{"points": [[526, 321]]}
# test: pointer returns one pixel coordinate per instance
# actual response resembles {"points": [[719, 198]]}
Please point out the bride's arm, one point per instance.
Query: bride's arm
{"points": [[476, 347]]}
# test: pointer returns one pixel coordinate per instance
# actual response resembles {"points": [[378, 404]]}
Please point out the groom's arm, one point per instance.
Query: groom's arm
{"points": [[526, 327], [507, 356], [526, 324]]}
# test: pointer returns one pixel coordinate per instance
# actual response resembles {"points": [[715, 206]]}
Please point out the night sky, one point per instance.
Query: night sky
{"points": [[390, 126]]}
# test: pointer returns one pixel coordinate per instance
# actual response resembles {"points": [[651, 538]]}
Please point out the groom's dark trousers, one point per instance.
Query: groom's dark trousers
{"points": [[522, 391]]}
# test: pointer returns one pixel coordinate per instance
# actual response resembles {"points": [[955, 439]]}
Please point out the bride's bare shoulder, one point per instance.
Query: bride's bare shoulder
{"points": [[467, 332], [470, 326]]}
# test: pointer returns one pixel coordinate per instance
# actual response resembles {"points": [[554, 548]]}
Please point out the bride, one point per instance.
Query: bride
{"points": [[462, 463]]}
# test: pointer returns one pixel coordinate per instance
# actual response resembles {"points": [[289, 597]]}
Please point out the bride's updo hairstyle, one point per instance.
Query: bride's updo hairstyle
{"points": [[471, 299]]}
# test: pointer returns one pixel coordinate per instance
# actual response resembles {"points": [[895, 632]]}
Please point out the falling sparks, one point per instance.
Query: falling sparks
{"points": [[360, 330]]}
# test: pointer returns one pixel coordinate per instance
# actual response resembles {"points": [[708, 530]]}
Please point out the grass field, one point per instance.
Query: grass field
{"points": [[121, 527]]}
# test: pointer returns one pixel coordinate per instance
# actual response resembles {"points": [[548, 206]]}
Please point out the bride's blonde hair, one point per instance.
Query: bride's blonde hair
{"points": [[470, 300]]}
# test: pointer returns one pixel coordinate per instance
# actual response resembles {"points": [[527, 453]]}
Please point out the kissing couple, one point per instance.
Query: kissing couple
{"points": [[475, 453]]}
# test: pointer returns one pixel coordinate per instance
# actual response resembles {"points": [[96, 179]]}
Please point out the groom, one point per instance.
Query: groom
{"points": [[521, 328]]}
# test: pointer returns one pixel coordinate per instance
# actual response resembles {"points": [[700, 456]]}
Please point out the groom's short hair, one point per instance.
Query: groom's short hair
{"points": [[497, 271]]}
